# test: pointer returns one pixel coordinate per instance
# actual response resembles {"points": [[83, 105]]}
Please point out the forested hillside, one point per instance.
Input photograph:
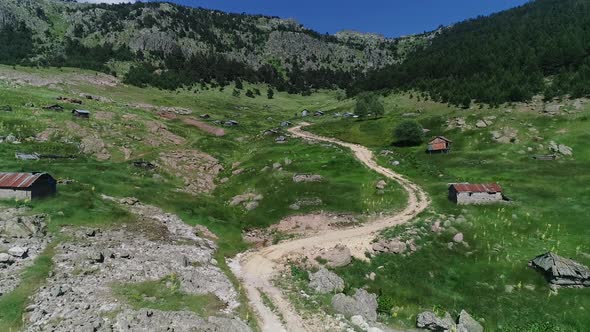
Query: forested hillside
{"points": [[168, 45], [541, 47]]}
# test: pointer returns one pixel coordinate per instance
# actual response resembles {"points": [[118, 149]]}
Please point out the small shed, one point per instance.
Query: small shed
{"points": [[26, 156], [439, 144], [26, 185], [561, 272], [466, 193], [82, 114]]}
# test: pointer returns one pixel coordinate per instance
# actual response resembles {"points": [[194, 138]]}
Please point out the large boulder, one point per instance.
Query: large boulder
{"points": [[14, 223], [468, 324], [428, 320], [362, 304], [18, 252], [337, 257], [324, 282]]}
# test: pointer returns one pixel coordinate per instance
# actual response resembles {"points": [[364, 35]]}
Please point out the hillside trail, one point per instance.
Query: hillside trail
{"points": [[257, 268]]}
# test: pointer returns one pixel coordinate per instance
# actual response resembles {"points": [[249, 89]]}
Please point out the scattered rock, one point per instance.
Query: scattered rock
{"points": [[394, 246], [6, 258], [337, 257], [458, 238], [298, 178], [324, 282], [481, 124], [359, 322], [361, 304], [18, 252], [468, 324], [428, 320], [249, 201], [381, 184], [205, 232], [129, 201]]}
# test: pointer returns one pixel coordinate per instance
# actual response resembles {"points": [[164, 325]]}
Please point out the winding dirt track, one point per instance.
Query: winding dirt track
{"points": [[256, 269]]}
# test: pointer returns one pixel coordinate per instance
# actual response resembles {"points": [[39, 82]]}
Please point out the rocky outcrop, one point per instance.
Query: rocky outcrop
{"points": [[23, 237], [324, 282], [198, 169], [362, 303], [78, 295]]}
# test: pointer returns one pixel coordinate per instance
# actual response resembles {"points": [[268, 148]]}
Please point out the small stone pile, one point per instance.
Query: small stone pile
{"points": [[465, 323]]}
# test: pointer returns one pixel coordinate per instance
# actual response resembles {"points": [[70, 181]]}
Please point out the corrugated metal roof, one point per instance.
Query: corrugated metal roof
{"points": [[477, 188], [18, 180]]}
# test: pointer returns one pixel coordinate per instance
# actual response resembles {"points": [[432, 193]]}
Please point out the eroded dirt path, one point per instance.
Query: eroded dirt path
{"points": [[256, 269]]}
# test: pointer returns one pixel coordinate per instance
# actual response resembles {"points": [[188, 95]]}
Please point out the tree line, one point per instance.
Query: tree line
{"points": [[541, 47]]}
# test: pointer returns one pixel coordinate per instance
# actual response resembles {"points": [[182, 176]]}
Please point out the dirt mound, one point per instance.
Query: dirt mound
{"points": [[196, 168], [205, 127]]}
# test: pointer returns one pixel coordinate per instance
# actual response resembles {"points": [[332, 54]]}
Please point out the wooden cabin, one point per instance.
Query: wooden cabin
{"points": [[439, 144]]}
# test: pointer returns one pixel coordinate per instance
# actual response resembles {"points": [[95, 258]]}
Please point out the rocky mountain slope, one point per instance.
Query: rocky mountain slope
{"points": [[168, 37]]}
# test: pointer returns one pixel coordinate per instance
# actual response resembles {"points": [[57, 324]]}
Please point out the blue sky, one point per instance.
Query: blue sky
{"points": [[388, 17]]}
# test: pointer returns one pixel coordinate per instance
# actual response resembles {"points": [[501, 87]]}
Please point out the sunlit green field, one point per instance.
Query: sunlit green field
{"points": [[549, 213]]}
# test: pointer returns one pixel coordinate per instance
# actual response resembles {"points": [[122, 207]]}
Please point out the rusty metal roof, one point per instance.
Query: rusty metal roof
{"points": [[477, 188], [442, 138], [18, 180]]}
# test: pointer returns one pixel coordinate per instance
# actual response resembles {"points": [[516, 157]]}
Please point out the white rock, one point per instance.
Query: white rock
{"points": [[360, 322], [19, 252]]}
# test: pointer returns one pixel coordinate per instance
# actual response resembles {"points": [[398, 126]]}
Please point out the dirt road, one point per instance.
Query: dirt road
{"points": [[256, 269]]}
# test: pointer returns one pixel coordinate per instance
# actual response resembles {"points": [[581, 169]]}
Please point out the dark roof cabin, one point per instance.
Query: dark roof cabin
{"points": [[26, 185], [439, 144], [562, 272], [83, 114]]}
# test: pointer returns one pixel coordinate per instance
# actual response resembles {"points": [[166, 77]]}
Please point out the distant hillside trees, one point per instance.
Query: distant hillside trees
{"points": [[501, 58], [16, 44]]}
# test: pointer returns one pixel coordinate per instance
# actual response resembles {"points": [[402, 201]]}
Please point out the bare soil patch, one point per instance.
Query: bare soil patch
{"points": [[205, 127]]}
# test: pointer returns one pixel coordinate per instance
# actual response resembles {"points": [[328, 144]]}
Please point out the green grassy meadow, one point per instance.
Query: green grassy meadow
{"points": [[549, 213], [348, 186]]}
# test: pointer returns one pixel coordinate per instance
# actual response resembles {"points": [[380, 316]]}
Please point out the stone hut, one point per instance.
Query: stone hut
{"points": [[26, 185], [465, 193], [439, 144], [562, 272]]}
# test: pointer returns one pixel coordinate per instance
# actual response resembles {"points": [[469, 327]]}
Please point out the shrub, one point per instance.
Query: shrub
{"points": [[409, 133]]}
